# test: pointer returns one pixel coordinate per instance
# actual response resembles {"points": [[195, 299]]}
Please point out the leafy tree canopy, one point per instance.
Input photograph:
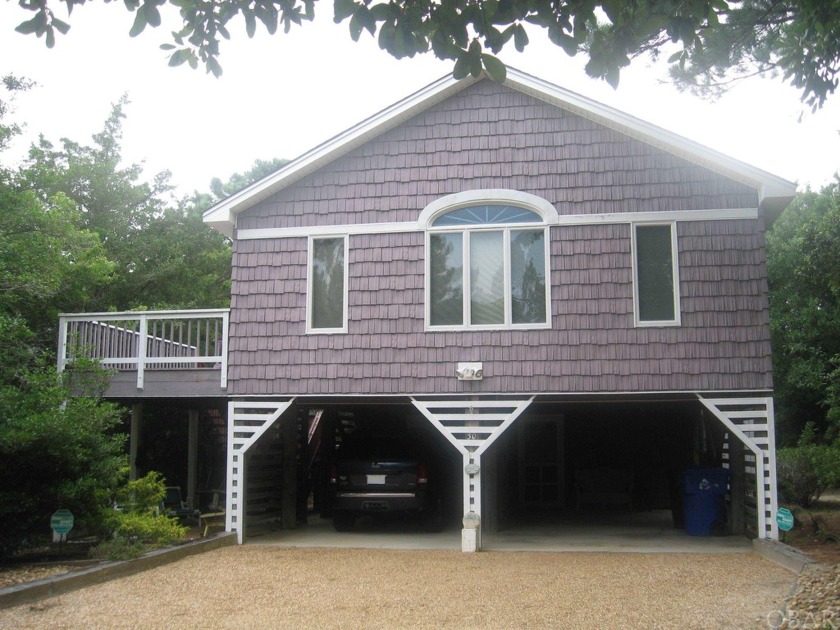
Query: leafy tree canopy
{"points": [[163, 256], [711, 40], [803, 252], [80, 231]]}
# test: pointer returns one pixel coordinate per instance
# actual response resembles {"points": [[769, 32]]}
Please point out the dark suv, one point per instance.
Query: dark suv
{"points": [[382, 473]]}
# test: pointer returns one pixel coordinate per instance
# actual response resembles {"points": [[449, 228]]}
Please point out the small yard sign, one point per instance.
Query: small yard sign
{"points": [[61, 521], [784, 518]]}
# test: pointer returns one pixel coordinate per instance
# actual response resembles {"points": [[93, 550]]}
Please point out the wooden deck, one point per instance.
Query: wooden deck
{"points": [[154, 354]]}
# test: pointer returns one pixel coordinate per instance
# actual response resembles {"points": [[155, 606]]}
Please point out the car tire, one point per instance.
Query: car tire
{"points": [[343, 521]]}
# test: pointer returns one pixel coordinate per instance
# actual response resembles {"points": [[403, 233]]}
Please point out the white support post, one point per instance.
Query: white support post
{"points": [[62, 343], [142, 343], [751, 420], [771, 472], [471, 532], [472, 426], [247, 421]]}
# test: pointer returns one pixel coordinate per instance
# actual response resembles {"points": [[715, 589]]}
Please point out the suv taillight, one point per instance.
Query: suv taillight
{"points": [[422, 475]]}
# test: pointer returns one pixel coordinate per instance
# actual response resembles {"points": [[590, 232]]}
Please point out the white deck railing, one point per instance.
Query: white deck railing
{"points": [[147, 340]]}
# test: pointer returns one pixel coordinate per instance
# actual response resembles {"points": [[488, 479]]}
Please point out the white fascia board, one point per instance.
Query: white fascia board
{"points": [[222, 216], [769, 186]]}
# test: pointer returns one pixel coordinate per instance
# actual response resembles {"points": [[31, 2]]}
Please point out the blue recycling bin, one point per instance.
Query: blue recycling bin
{"points": [[705, 500]]}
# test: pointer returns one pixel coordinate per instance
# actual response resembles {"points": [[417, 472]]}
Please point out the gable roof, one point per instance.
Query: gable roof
{"points": [[774, 192]]}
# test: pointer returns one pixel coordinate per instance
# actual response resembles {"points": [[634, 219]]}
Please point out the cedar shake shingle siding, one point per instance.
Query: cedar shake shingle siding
{"points": [[723, 342], [488, 136]]}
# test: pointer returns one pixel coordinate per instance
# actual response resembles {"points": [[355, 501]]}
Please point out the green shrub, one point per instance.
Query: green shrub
{"points": [[56, 451], [136, 525], [804, 472]]}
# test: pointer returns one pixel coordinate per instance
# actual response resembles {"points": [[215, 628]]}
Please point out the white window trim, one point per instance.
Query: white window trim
{"points": [[675, 272], [506, 230], [489, 197], [310, 247]]}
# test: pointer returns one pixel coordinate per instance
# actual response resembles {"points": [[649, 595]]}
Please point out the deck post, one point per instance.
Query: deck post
{"points": [[737, 484], [134, 439], [142, 343], [192, 458], [289, 501], [62, 343]]}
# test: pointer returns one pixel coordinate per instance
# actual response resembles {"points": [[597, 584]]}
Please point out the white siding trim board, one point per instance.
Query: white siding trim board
{"points": [[542, 396], [400, 227]]}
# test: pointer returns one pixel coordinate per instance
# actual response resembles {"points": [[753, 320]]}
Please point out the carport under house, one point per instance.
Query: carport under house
{"points": [[556, 288]]}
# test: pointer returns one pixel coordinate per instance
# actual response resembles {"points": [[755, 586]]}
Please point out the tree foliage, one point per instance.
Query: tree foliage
{"points": [[238, 181], [48, 264], [163, 255], [803, 250], [713, 40], [56, 451], [798, 40], [808, 469], [80, 231]]}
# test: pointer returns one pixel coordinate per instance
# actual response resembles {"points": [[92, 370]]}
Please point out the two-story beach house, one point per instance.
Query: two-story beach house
{"points": [[559, 292]]}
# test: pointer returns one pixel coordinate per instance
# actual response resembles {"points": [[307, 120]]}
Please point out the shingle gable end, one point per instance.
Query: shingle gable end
{"points": [[774, 192]]}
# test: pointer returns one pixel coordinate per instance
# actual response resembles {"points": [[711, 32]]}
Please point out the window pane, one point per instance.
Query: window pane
{"points": [[527, 276], [655, 268], [487, 278], [328, 283], [446, 282], [482, 215]]}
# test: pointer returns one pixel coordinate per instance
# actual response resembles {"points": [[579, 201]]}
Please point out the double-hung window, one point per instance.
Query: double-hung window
{"points": [[656, 275], [487, 268], [327, 285]]}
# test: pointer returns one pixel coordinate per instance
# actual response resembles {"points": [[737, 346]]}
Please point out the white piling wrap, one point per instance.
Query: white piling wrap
{"points": [[751, 420]]}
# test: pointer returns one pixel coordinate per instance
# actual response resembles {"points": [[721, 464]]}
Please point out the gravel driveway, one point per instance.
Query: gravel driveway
{"points": [[274, 587]]}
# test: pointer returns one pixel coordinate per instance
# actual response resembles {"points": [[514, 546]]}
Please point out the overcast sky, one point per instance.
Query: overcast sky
{"points": [[282, 95]]}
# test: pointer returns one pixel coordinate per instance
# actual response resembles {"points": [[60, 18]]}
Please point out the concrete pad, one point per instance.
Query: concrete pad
{"points": [[368, 534], [641, 532]]}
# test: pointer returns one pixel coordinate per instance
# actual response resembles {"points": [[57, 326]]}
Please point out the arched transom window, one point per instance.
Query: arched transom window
{"points": [[487, 268]]}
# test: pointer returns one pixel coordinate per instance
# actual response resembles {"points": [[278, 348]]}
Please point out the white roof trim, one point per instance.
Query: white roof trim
{"points": [[774, 192], [768, 185], [222, 216]]}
